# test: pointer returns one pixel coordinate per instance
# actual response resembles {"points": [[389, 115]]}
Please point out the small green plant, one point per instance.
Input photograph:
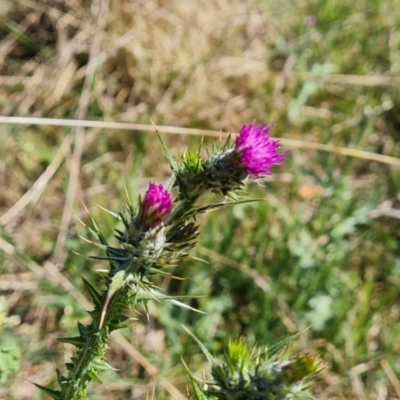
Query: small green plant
{"points": [[10, 351], [255, 374], [157, 235]]}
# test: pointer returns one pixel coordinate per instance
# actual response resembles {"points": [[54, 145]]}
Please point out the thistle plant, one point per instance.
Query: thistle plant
{"points": [[158, 234], [255, 374]]}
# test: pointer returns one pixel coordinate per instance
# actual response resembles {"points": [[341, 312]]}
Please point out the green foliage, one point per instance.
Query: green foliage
{"points": [[10, 356], [10, 351], [246, 373]]}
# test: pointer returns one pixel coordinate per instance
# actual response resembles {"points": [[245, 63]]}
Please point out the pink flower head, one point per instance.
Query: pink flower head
{"points": [[156, 206], [256, 151], [311, 20]]}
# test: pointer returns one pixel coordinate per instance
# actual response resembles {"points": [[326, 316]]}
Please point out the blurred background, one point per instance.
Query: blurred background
{"points": [[321, 253]]}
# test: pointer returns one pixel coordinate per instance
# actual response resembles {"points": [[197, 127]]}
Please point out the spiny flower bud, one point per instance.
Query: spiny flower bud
{"points": [[253, 154], [155, 207], [256, 151], [249, 374]]}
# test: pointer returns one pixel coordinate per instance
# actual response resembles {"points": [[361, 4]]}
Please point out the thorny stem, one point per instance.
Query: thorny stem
{"points": [[77, 375], [95, 344]]}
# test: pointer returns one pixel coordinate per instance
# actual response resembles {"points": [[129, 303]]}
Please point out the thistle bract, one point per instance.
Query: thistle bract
{"points": [[256, 151]]}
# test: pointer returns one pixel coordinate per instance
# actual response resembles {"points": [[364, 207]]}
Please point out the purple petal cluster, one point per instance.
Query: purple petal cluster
{"points": [[256, 151], [156, 205]]}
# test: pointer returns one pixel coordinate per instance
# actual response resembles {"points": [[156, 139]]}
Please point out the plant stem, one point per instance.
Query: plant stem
{"points": [[94, 349]]}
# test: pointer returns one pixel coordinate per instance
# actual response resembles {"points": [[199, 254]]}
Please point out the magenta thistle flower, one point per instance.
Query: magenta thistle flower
{"points": [[155, 207], [256, 151]]}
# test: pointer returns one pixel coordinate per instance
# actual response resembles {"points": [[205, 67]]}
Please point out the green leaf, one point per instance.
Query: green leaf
{"points": [[170, 182], [183, 305], [97, 232], [77, 341], [152, 293], [95, 296], [69, 366], [55, 394], [119, 260], [101, 365], [116, 326], [348, 225], [199, 395], [118, 322], [83, 331], [94, 377], [203, 348], [172, 162], [61, 378], [10, 356], [321, 311], [216, 206], [278, 347], [119, 318]]}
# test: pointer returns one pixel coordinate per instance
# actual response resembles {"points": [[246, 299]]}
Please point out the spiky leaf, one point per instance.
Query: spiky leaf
{"points": [[172, 162], [94, 295], [198, 394], [94, 377], [278, 347], [77, 341], [101, 365], [54, 394], [203, 348]]}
